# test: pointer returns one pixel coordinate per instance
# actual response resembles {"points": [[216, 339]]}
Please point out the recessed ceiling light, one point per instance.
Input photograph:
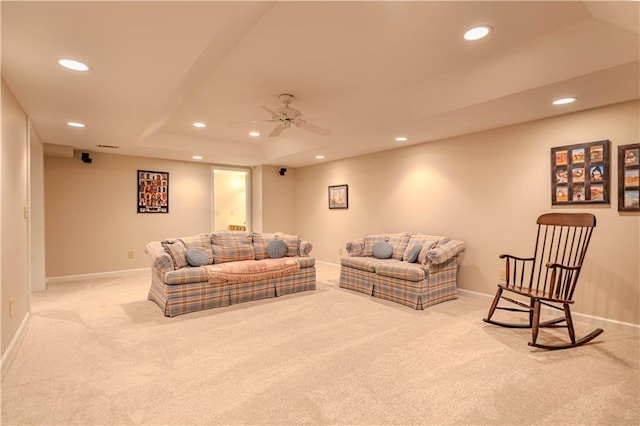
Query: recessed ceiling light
{"points": [[319, 157], [199, 124], [197, 157], [254, 134], [564, 101], [73, 65], [401, 139], [477, 33], [75, 124]]}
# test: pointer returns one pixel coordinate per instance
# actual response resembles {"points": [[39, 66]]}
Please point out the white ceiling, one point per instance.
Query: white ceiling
{"points": [[370, 71]]}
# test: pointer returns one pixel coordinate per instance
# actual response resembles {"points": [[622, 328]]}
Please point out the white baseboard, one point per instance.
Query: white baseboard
{"points": [[598, 321], [125, 272], [8, 355]]}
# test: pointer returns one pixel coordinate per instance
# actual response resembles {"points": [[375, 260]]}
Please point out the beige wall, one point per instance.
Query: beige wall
{"points": [[91, 217], [14, 236], [486, 189], [278, 200]]}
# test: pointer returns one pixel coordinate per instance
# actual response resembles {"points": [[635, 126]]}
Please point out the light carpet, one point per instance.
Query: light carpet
{"points": [[95, 351]]}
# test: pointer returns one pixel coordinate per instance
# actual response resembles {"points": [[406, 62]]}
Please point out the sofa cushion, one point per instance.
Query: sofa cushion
{"points": [[196, 257], [370, 241], [305, 262], [367, 264], [260, 241], [399, 243], [414, 252], [292, 242], [382, 250], [254, 270], [186, 276], [277, 249], [401, 270], [177, 251], [200, 242]]}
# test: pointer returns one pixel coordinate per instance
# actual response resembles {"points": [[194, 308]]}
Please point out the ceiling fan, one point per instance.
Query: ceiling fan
{"points": [[286, 116]]}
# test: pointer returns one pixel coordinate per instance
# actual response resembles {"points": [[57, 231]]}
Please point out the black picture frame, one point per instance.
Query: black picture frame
{"points": [[153, 192], [581, 173], [629, 178], [339, 197]]}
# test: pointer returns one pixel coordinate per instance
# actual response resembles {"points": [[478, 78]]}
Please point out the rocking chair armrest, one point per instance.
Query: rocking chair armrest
{"points": [[502, 256], [550, 265]]}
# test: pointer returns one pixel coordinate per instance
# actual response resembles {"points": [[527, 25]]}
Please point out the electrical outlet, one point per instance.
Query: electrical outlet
{"points": [[503, 274], [131, 254]]}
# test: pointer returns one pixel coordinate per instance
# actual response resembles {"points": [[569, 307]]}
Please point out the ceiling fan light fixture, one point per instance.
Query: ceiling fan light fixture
{"points": [[73, 65], [199, 125], [477, 33], [564, 101]]}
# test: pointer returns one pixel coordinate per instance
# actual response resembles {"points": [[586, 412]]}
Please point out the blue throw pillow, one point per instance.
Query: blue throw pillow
{"points": [[382, 250], [412, 257], [197, 257], [277, 249]]}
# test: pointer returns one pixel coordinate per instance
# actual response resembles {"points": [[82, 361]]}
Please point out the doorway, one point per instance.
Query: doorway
{"points": [[231, 207]]}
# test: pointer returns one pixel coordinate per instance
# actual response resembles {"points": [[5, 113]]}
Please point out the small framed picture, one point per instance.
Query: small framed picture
{"points": [[153, 192], [629, 177], [339, 197], [580, 173]]}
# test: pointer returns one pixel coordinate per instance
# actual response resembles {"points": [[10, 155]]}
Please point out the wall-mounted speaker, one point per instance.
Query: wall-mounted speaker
{"points": [[86, 158], [283, 171]]}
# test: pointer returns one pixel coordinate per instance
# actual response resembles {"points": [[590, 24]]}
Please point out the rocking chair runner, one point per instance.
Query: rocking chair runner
{"points": [[549, 277]]}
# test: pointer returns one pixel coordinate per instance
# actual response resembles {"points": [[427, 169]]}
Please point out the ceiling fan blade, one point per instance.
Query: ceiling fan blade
{"points": [[277, 130], [269, 110], [312, 128], [251, 121]]}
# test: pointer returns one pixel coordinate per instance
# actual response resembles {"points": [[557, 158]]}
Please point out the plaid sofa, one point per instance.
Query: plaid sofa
{"points": [[179, 288], [429, 279]]}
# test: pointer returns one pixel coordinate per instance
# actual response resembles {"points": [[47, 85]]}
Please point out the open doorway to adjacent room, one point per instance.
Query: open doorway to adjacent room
{"points": [[231, 206]]}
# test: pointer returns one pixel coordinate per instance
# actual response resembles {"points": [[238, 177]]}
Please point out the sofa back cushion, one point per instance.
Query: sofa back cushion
{"points": [[231, 246], [370, 241], [399, 243], [201, 242], [292, 242], [260, 241]]}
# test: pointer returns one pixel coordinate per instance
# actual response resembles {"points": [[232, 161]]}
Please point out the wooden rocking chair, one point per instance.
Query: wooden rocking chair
{"points": [[549, 277]]}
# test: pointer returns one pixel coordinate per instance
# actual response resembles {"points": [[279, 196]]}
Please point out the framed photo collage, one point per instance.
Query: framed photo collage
{"points": [[580, 174]]}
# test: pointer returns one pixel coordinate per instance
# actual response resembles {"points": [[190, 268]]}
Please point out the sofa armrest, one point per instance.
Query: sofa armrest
{"points": [[305, 248], [355, 247], [160, 260], [444, 252]]}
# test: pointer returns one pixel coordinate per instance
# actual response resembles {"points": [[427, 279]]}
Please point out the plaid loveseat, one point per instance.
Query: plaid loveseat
{"points": [[229, 267], [421, 270]]}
